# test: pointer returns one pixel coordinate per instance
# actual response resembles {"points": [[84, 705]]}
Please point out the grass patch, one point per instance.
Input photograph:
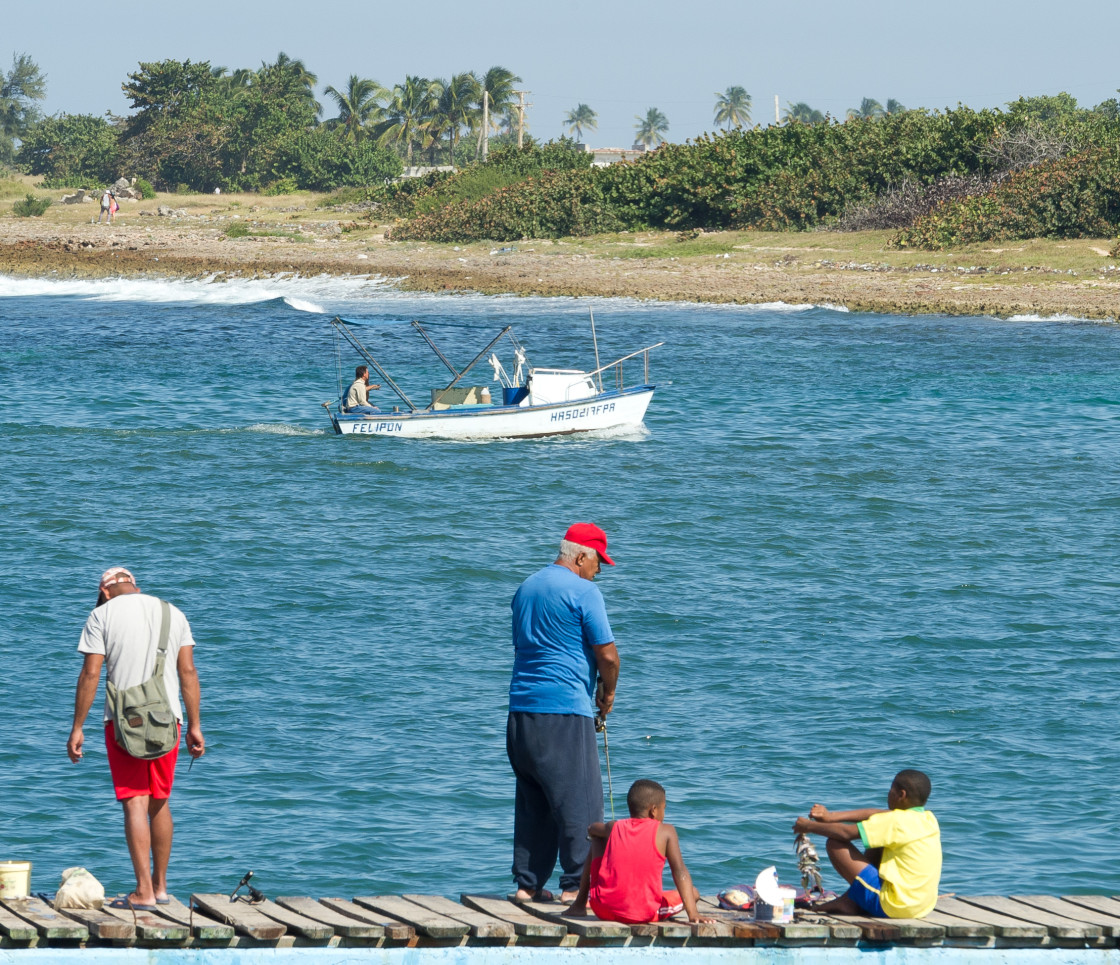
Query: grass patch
{"points": [[242, 230], [11, 188], [806, 249]]}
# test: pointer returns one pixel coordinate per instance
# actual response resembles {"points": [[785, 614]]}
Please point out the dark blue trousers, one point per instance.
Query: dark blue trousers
{"points": [[559, 793]]}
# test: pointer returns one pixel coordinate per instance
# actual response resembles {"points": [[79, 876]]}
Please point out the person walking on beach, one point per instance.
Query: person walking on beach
{"points": [[123, 633], [108, 199], [562, 640]]}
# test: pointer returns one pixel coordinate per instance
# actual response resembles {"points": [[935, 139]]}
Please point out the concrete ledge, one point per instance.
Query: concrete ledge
{"points": [[515, 955]]}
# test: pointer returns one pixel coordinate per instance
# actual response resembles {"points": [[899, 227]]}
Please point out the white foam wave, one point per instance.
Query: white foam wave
{"points": [[1060, 317], [300, 305], [303, 293]]}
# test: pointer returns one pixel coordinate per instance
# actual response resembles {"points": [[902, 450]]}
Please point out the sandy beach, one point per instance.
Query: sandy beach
{"points": [[858, 271]]}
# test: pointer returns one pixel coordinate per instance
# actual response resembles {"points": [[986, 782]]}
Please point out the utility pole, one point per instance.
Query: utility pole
{"points": [[777, 118], [521, 105], [485, 123]]}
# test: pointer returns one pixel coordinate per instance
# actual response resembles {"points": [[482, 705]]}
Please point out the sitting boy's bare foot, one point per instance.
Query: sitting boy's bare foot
{"points": [[576, 910]]}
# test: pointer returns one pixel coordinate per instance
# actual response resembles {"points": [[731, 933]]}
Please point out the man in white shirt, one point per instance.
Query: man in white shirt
{"points": [[357, 398], [122, 633]]}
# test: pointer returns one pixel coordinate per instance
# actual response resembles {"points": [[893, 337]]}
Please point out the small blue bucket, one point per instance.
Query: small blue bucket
{"points": [[512, 395]]}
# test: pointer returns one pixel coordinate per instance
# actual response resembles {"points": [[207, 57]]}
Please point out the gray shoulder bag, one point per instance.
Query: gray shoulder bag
{"points": [[143, 723]]}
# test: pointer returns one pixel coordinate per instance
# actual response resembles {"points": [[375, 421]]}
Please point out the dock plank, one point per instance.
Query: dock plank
{"points": [[148, 926], [342, 924], [297, 924], [843, 930], [425, 922], [961, 929], [246, 920], [1004, 926], [1056, 925], [1109, 906], [523, 923], [394, 930], [1109, 924], [104, 925], [50, 924], [586, 928], [732, 924], [199, 925], [481, 924], [15, 928]]}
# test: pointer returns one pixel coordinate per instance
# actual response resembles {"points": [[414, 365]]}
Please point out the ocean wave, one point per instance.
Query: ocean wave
{"points": [[1059, 317], [299, 292]]}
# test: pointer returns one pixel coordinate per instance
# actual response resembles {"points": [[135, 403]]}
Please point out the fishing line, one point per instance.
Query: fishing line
{"points": [[607, 754]]}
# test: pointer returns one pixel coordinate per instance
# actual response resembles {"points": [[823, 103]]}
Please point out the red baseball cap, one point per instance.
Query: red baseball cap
{"points": [[591, 536]]}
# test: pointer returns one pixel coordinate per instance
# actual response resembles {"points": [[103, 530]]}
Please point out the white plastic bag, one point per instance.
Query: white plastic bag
{"points": [[79, 889]]}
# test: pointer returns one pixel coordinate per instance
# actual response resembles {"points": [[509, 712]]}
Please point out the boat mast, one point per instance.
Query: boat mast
{"points": [[494, 341], [340, 326]]}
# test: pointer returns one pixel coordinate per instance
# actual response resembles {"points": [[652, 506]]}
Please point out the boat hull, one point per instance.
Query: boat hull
{"points": [[609, 410]]}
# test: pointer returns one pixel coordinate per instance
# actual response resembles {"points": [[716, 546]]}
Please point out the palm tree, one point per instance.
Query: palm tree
{"points": [[358, 105], [579, 117], [496, 88], [408, 112], [454, 107], [733, 107], [650, 128], [306, 79], [869, 109], [803, 113], [895, 107]]}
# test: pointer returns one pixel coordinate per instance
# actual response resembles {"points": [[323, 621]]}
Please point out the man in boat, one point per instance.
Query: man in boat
{"points": [[357, 398], [123, 633], [562, 640]]}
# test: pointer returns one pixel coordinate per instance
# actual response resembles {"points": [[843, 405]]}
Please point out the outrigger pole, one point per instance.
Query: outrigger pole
{"points": [[494, 341], [435, 348], [340, 326]]}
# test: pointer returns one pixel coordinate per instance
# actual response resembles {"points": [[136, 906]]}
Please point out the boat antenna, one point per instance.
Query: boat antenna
{"points": [[595, 342], [338, 362]]}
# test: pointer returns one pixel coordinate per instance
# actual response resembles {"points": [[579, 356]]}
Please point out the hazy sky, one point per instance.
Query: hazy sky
{"points": [[619, 56]]}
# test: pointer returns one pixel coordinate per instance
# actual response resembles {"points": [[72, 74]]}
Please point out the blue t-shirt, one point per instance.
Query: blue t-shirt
{"points": [[557, 618]]}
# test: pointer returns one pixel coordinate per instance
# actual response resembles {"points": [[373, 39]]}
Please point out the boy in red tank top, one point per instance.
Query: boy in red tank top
{"points": [[622, 877]]}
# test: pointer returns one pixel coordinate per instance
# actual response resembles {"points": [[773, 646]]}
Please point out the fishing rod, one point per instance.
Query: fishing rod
{"points": [[601, 726]]}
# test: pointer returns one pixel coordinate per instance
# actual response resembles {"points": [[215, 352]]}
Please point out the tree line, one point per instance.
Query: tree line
{"points": [[198, 127]]}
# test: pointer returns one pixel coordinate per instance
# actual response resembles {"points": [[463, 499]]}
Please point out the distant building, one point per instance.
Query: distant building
{"points": [[602, 156]]}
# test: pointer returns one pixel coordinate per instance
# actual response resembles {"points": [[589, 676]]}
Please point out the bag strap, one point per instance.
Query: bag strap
{"points": [[164, 633]]}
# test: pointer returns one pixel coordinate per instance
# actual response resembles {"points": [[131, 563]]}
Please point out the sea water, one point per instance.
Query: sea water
{"points": [[846, 544]]}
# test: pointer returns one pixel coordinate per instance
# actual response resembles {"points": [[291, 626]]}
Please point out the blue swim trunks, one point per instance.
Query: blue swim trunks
{"points": [[865, 892]]}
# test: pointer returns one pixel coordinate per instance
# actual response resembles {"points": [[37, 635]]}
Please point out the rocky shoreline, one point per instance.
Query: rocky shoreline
{"points": [[192, 247]]}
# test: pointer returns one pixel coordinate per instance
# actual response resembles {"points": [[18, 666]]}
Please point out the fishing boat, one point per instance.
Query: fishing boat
{"points": [[532, 401]]}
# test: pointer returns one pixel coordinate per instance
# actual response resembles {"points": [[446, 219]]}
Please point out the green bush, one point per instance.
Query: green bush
{"points": [[237, 230], [788, 177], [147, 192], [31, 207], [281, 186], [1075, 197], [323, 160], [72, 150]]}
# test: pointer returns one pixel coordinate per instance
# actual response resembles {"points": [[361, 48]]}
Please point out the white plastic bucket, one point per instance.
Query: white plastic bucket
{"points": [[15, 879]]}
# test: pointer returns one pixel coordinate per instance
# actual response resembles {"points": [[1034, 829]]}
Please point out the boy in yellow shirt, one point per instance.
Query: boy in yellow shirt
{"points": [[899, 873]]}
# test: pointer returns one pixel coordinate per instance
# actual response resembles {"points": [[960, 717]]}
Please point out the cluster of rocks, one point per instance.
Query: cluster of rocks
{"points": [[165, 211], [123, 188]]}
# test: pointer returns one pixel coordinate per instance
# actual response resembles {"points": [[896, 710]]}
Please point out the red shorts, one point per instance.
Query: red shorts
{"points": [[133, 777]]}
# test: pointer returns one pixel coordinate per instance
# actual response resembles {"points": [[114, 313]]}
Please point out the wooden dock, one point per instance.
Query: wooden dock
{"points": [[406, 921]]}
